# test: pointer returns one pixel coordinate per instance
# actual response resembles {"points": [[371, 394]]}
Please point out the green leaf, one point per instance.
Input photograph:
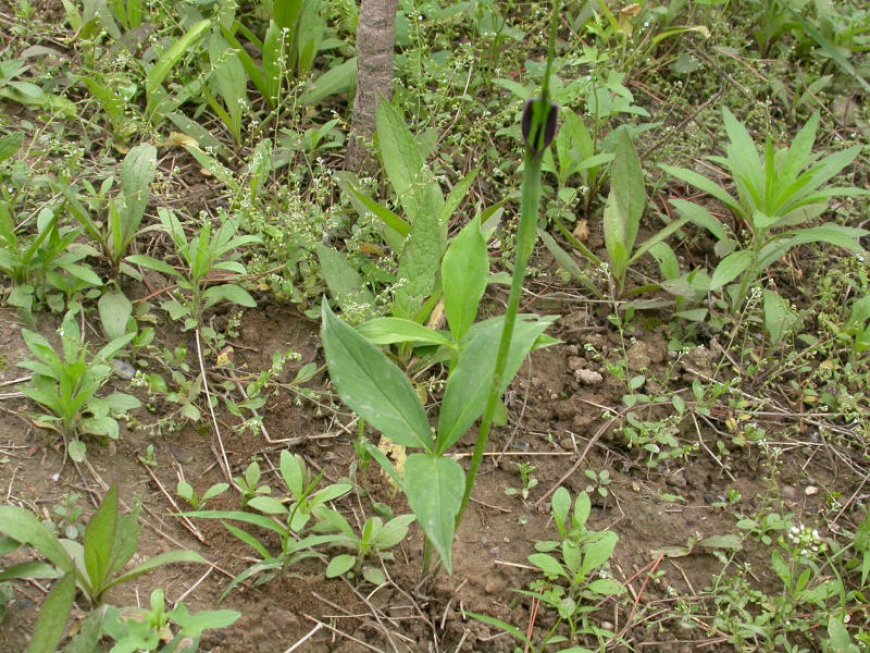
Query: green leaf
{"points": [[115, 311], [167, 61], [23, 526], [363, 203], [53, 616], [501, 625], [372, 386], [99, 542], [597, 550], [422, 251], [400, 155], [731, 267], [840, 640], [434, 486], [153, 264], [137, 173], [228, 292], [469, 384], [779, 317], [457, 194], [340, 565], [627, 186], [90, 633], [10, 144], [551, 567], [700, 216], [393, 330], [704, 185], [336, 80], [464, 274], [344, 282], [172, 557], [833, 234], [606, 587]]}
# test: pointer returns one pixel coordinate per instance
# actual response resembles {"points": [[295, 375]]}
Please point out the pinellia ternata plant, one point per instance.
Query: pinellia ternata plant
{"points": [[437, 488]]}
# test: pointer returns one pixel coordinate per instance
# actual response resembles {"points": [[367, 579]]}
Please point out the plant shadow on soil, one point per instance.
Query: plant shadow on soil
{"points": [[554, 415]]}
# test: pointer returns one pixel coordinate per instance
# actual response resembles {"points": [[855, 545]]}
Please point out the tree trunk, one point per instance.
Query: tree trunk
{"points": [[375, 42]]}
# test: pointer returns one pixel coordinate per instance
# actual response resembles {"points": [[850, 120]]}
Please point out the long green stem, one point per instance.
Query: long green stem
{"points": [[531, 200], [538, 137]]}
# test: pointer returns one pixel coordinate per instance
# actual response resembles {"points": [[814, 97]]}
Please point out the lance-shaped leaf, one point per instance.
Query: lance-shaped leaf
{"points": [[468, 385], [372, 385], [434, 487]]}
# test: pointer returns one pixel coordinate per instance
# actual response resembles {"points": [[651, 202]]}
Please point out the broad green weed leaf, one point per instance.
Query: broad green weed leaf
{"points": [[23, 526], [779, 317], [344, 282], [700, 216], [468, 385], [372, 385], [551, 567], [704, 185], [400, 155], [228, 292], [53, 616], [464, 275], [833, 234], [457, 195], [434, 487], [115, 310], [10, 144], [340, 565], [730, 267], [625, 205], [137, 173], [394, 330], [336, 80], [421, 254], [598, 549], [99, 542]]}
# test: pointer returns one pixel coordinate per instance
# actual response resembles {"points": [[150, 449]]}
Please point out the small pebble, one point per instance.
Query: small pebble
{"points": [[588, 377], [811, 490]]}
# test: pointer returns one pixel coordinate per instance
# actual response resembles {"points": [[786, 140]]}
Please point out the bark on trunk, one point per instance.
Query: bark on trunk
{"points": [[375, 42]]}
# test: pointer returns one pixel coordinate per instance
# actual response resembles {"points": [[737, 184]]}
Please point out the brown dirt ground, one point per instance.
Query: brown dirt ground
{"points": [[555, 423]]}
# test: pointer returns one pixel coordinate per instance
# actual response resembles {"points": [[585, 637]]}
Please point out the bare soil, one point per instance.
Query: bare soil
{"points": [[559, 422]]}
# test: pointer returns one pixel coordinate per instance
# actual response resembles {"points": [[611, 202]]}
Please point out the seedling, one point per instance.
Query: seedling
{"points": [[575, 580], [375, 539], [204, 254], [67, 385], [527, 481], [94, 567], [288, 518], [125, 213], [140, 629], [776, 195]]}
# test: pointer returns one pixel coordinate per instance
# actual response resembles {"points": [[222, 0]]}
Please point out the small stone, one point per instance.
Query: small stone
{"points": [[493, 585], [588, 377], [638, 357], [811, 490], [567, 444], [788, 492], [576, 363], [495, 551]]}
